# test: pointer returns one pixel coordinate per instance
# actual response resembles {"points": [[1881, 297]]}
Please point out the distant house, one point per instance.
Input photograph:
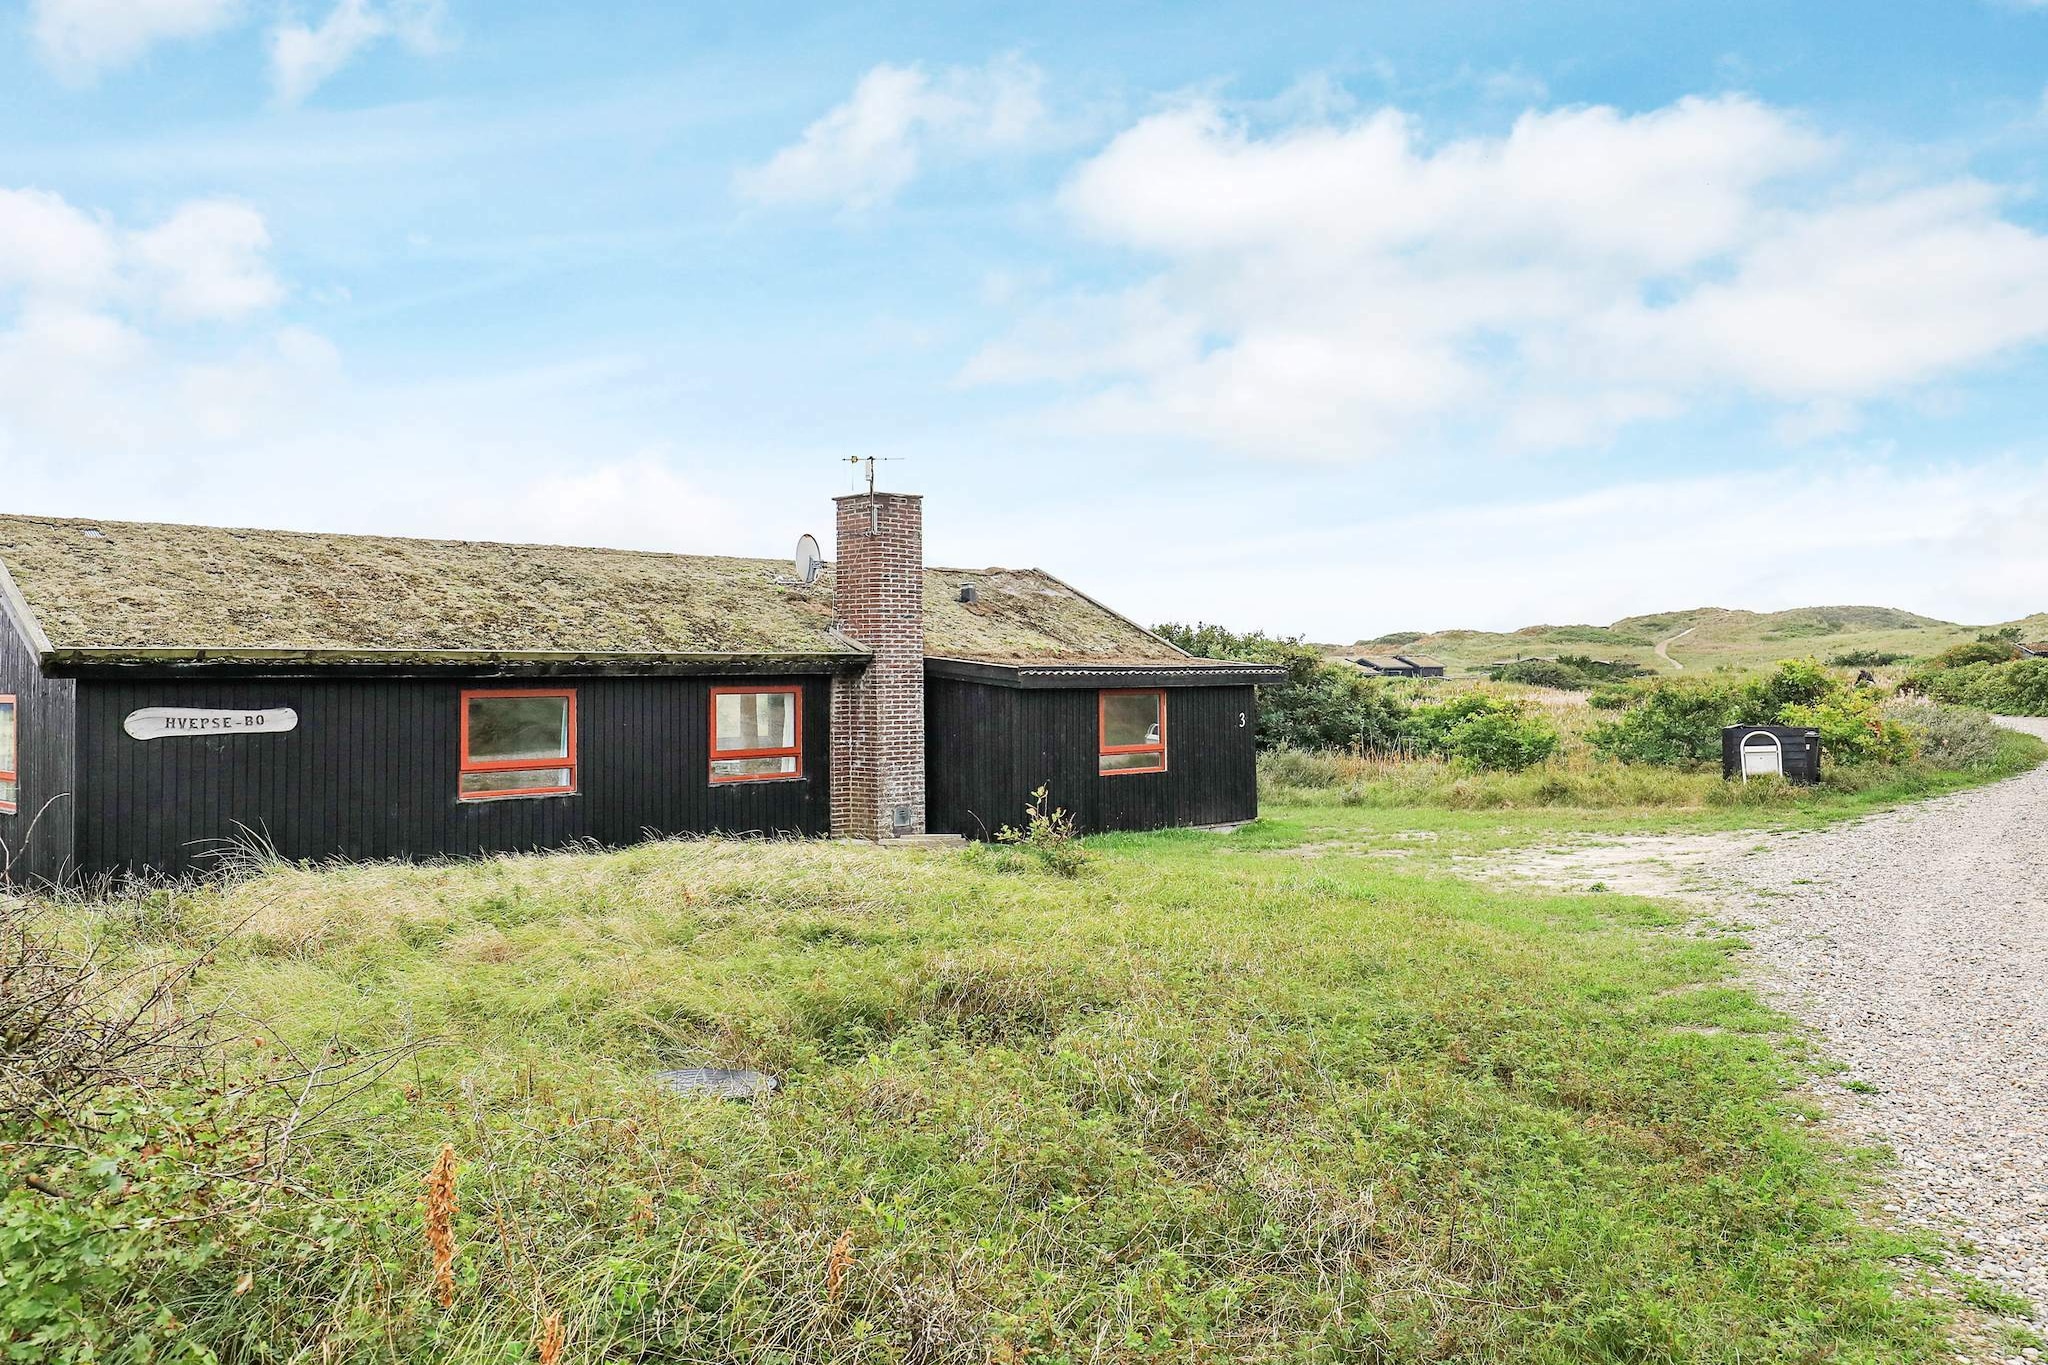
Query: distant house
{"points": [[165, 690], [1398, 665], [2037, 650]]}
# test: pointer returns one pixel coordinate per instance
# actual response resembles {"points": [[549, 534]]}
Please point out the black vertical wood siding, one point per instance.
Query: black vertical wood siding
{"points": [[37, 843], [987, 747], [370, 772]]}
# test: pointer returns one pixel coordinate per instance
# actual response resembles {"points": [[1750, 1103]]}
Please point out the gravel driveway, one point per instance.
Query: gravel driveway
{"points": [[1916, 943]]}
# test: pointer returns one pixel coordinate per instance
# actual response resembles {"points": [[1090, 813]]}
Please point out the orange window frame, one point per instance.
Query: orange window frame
{"points": [[10, 762], [795, 750], [1104, 748], [468, 765]]}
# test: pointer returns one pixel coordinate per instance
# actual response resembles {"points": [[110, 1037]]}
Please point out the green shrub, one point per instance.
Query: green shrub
{"points": [[1852, 728], [1867, 658], [1980, 651], [2016, 688], [1613, 697], [1603, 670], [1502, 741], [1484, 730], [1794, 682], [1679, 720], [1567, 672], [1540, 673], [1952, 737], [1672, 721]]}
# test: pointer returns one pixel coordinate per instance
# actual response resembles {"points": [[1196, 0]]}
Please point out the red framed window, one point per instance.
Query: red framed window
{"points": [[10, 748], [757, 733], [518, 742], [1132, 726]]}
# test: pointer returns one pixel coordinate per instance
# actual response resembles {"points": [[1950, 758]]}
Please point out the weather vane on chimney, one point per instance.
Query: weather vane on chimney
{"points": [[874, 516]]}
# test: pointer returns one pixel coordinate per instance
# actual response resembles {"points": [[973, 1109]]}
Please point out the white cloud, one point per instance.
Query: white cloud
{"points": [[304, 56], [80, 367], [47, 247], [208, 261], [80, 39], [1339, 288], [866, 150], [1962, 543]]}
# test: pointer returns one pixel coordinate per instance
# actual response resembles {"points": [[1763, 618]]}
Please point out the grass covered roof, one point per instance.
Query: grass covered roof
{"points": [[106, 587]]}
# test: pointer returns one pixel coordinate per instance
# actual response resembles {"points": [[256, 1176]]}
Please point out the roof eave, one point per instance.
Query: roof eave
{"points": [[24, 617], [1085, 673], [129, 660]]}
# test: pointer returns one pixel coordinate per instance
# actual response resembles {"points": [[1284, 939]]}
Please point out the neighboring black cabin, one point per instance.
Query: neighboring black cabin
{"points": [[170, 690], [993, 733]]}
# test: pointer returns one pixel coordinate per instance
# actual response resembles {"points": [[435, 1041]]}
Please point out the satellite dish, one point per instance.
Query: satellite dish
{"points": [[808, 559]]}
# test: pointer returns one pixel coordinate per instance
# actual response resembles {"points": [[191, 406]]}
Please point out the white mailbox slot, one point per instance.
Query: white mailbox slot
{"points": [[1763, 755]]}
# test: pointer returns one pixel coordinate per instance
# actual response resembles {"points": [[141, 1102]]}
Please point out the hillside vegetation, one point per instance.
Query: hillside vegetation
{"points": [[1708, 638]]}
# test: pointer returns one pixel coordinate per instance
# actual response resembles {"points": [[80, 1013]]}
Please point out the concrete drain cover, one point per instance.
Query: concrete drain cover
{"points": [[716, 1080]]}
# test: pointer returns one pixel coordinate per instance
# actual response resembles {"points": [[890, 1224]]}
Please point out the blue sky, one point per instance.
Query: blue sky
{"points": [[1327, 319]]}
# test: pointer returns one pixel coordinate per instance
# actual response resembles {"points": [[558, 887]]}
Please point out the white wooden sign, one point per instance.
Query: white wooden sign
{"points": [[172, 722]]}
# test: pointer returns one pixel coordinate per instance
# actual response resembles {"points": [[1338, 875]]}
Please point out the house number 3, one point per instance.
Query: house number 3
{"points": [[1240, 720]]}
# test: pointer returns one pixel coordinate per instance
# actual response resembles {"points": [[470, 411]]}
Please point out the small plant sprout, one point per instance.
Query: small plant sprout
{"points": [[1049, 835]]}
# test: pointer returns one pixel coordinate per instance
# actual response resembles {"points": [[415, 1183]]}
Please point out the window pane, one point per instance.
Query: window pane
{"points": [[785, 766], [6, 739], [756, 720], [1134, 763], [518, 727], [10, 794], [522, 779], [1130, 719]]}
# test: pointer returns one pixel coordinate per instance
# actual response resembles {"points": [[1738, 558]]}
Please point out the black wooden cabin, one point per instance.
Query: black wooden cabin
{"points": [[167, 692], [994, 731]]}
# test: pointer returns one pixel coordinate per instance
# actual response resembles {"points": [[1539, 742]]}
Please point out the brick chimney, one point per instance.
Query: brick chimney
{"points": [[878, 713]]}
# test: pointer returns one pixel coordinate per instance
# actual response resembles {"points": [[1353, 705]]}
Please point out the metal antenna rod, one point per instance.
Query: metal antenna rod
{"points": [[874, 512]]}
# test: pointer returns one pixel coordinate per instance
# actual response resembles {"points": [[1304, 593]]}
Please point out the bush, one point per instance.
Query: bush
{"points": [[1980, 651], [1794, 682], [1429, 728], [2016, 688], [1852, 728], [1602, 670], [135, 1165], [1500, 741], [1567, 672], [1867, 658], [1952, 737], [1679, 720], [1485, 731], [1540, 673], [1673, 721]]}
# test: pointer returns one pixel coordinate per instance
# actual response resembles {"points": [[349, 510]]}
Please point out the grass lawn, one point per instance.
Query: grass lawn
{"points": [[1209, 1100]]}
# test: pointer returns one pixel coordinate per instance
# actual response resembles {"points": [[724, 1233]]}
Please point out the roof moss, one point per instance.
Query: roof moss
{"points": [[109, 586], [1025, 616]]}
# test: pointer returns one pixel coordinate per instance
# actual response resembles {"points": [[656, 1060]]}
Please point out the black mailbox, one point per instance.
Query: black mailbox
{"points": [[1786, 751]]}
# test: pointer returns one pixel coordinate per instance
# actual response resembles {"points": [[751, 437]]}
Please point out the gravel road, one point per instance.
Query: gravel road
{"points": [[1916, 943]]}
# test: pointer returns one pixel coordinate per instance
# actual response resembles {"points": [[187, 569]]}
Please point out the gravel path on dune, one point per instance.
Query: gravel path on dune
{"points": [[1916, 943]]}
